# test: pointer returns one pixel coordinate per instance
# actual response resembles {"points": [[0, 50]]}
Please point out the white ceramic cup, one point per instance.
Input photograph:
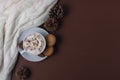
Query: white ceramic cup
{"points": [[42, 48]]}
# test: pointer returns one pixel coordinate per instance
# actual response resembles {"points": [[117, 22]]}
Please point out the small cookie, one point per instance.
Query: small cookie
{"points": [[20, 45], [51, 40], [41, 55], [48, 51]]}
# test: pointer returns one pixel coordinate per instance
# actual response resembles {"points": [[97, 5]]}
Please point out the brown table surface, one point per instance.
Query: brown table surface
{"points": [[88, 44]]}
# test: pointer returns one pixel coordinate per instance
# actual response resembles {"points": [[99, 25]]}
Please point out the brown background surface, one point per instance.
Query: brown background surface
{"points": [[88, 44]]}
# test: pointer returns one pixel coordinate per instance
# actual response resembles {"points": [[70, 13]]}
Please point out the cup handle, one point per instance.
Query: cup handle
{"points": [[23, 51]]}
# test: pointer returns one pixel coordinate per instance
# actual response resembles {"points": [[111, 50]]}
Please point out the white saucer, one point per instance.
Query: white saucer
{"points": [[27, 56]]}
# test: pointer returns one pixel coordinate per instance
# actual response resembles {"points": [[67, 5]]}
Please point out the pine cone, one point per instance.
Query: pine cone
{"points": [[23, 73], [57, 12], [51, 24]]}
